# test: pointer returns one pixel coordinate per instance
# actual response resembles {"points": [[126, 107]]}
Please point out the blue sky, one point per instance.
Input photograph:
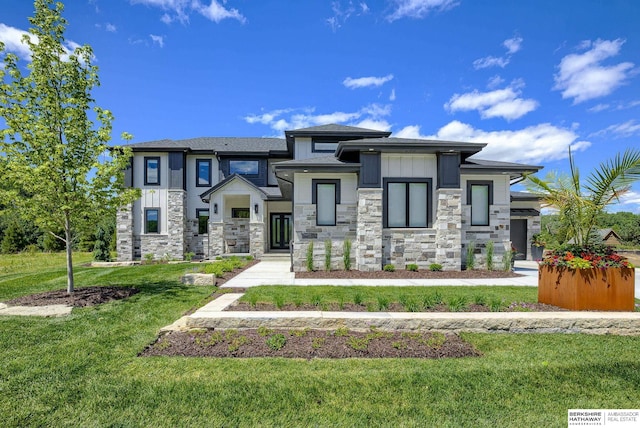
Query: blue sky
{"points": [[529, 78]]}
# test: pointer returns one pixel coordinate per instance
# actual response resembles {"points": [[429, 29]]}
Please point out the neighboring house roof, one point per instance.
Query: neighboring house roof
{"points": [[222, 145], [515, 170], [606, 234], [525, 212], [267, 192], [524, 196]]}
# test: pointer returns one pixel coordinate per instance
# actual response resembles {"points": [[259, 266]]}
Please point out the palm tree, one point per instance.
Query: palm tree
{"points": [[579, 205]]}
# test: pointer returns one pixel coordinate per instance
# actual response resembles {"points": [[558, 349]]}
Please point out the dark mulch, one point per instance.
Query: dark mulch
{"points": [[88, 296], [311, 344], [407, 274], [393, 307]]}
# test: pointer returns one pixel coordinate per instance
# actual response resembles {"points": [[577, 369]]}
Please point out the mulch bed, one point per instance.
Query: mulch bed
{"points": [[87, 296], [393, 307], [407, 274], [310, 344]]}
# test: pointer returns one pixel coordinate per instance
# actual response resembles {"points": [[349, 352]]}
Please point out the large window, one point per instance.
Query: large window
{"points": [[152, 220], [152, 170], [407, 202], [203, 221], [326, 196], [480, 197], [324, 146], [203, 172], [241, 167], [240, 213]]}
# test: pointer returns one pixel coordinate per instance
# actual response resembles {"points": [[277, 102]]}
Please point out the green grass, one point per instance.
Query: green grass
{"points": [[408, 296], [82, 370]]}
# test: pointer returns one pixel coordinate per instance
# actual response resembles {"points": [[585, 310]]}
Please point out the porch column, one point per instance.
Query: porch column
{"points": [[124, 233], [256, 239], [448, 225], [176, 223], [369, 230], [216, 239]]}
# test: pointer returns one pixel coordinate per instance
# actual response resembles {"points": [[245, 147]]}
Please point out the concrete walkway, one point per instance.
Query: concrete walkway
{"points": [[212, 315], [36, 311]]}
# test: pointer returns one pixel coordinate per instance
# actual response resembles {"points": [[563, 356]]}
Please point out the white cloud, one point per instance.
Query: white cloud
{"points": [[621, 130], [513, 44], [505, 103], [12, 39], [216, 12], [342, 13], [599, 107], [157, 39], [364, 8], [582, 77], [180, 9], [419, 8], [110, 27], [411, 131], [363, 82], [532, 145], [392, 96], [370, 116], [630, 201], [494, 82], [490, 61]]}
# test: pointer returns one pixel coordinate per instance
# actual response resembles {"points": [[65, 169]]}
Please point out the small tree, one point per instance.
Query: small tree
{"points": [[580, 204], [55, 162], [101, 248]]}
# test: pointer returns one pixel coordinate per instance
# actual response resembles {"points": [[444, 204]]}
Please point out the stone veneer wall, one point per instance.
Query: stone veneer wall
{"points": [[124, 233], [404, 246], [197, 243], [306, 231], [177, 223], [216, 239], [448, 226], [236, 235], [368, 245], [498, 231], [256, 239]]}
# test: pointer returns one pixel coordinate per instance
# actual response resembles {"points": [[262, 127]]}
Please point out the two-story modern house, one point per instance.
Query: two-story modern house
{"points": [[398, 200]]}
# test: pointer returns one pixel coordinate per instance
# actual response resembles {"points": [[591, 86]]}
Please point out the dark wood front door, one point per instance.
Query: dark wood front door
{"points": [[281, 229], [519, 238]]}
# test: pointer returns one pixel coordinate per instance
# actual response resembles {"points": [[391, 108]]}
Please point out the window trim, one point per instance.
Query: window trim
{"points": [[198, 162], [146, 170], [314, 197], [198, 211], [146, 220], [314, 142], [237, 209], [407, 180], [489, 185], [257, 161]]}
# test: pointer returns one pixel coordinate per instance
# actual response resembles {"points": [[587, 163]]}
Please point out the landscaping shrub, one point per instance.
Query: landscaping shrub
{"points": [[327, 255], [389, 268], [471, 256], [276, 341], [309, 259], [346, 254], [412, 267], [101, 251], [489, 255], [457, 304], [435, 267], [506, 260]]}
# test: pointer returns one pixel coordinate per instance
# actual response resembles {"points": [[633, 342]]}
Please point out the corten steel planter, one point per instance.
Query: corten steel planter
{"points": [[599, 289]]}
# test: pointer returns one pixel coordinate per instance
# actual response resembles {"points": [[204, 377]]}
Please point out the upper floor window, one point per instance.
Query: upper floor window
{"points": [[242, 167], [407, 202], [480, 197], [324, 146], [240, 213], [152, 220], [203, 172], [152, 170], [326, 195]]}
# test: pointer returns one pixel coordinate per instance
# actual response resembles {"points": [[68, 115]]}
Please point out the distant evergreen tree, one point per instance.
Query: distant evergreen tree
{"points": [[101, 247], [13, 240]]}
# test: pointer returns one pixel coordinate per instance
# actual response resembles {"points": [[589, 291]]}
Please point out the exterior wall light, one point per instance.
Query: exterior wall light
{"points": [[215, 208], [255, 208]]}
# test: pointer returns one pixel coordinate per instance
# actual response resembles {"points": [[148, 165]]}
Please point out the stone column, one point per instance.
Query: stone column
{"points": [[368, 245], [256, 239], [216, 239], [448, 225], [124, 233], [176, 223]]}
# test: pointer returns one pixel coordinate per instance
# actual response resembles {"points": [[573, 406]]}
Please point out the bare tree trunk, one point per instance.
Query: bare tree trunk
{"points": [[69, 244]]}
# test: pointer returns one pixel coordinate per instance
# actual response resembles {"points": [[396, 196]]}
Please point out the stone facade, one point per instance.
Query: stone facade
{"points": [[405, 246], [448, 225], [368, 244], [176, 223], [216, 239], [497, 231], [306, 231], [236, 235], [124, 234]]}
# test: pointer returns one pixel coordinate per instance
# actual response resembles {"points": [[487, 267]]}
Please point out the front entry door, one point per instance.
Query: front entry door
{"points": [[519, 238], [281, 229]]}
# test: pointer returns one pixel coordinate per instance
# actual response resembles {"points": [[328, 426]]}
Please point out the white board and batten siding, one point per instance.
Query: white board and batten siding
{"points": [[153, 196], [193, 192], [407, 165], [501, 189], [303, 187]]}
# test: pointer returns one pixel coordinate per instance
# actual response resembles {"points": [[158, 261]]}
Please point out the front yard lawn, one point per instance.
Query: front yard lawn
{"points": [[83, 370]]}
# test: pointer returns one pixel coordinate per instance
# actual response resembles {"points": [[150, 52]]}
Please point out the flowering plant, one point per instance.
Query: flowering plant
{"points": [[585, 257]]}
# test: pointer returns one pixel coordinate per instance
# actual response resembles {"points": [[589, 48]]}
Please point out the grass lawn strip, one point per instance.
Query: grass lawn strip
{"points": [[83, 370]]}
